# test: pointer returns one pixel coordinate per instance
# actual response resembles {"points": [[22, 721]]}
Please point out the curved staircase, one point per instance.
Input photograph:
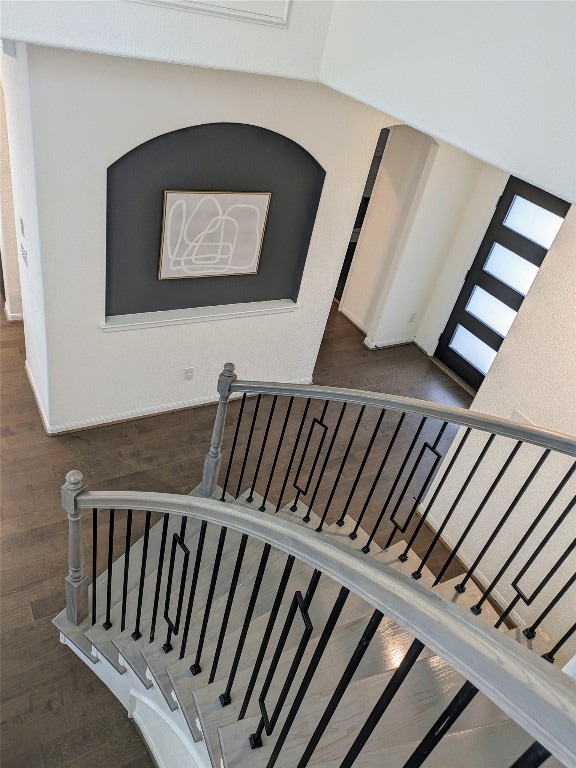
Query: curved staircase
{"points": [[240, 632]]}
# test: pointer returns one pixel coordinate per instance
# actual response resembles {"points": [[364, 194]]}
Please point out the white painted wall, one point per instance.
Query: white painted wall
{"points": [[177, 35], [534, 373], [393, 201], [446, 188], [15, 82], [470, 228], [88, 111], [428, 212], [8, 240], [494, 79]]}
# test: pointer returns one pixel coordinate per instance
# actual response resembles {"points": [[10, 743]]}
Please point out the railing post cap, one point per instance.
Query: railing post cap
{"points": [[74, 480], [226, 378]]}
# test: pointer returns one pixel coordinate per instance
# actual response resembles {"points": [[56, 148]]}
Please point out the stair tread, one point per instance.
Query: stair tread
{"points": [[466, 599], [390, 557], [390, 642], [341, 533], [153, 653], [489, 746], [185, 684], [428, 689]]}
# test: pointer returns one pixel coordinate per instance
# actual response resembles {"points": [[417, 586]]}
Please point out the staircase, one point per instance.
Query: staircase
{"points": [[252, 628]]}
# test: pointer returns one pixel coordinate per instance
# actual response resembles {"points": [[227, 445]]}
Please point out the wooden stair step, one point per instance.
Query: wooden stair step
{"points": [[491, 746], [185, 684], [387, 647], [390, 557], [129, 648], [423, 696], [155, 656], [341, 534], [101, 638], [76, 633], [467, 599]]}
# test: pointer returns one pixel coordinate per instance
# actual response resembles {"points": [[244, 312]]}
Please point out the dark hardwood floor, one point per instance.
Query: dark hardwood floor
{"points": [[55, 712]]}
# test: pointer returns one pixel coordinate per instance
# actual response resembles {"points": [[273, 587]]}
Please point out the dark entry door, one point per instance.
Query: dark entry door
{"points": [[525, 223]]}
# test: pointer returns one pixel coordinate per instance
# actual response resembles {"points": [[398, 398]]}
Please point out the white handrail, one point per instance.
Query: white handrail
{"points": [[546, 438], [540, 698]]}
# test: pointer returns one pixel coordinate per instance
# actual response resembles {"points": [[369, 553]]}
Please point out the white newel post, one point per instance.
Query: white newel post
{"points": [[214, 455], [76, 583]]}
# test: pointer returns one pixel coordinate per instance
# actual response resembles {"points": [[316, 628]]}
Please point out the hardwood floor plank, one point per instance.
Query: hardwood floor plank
{"points": [[55, 710]]}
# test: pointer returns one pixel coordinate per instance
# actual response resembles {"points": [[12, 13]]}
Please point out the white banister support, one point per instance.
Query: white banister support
{"points": [[214, 455], [76, 583]]}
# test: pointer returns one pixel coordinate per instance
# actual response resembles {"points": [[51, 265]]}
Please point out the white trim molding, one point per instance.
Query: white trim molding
{"points": [[274, 12], [13, 317], [141, 320]]}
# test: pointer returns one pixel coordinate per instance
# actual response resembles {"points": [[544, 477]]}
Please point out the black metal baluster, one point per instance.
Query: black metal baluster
{"points": [[360, 472], [94, 561], [442, 725], [304, 492], [530, 631], [306, 518], [341, 469], [267, 633], [478, 512], [293, 454], [462, 585], [340, 689], [107, 624], [225, 698], [269, 723], [404, 556], [248, 445], [229, 602], [525, 537], [309, 674], [127, 544], [418, 572], [383, 702], [366, 547], [354, 533], [250, 498], [303, 604], [277, 454], [534, 757], [433, 448], [174, 626], [233, 449], [195, 668], [193, 586], [159, 577], [550, 655], [136, 635]]}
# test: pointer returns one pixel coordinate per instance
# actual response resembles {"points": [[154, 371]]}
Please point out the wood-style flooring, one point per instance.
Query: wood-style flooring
{"points": [[55, 712]]}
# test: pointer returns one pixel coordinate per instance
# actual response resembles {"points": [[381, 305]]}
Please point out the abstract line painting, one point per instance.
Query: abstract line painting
{"points": [[211, 234]]}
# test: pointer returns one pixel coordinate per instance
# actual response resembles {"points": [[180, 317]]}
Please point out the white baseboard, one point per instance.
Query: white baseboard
{"points": [[39, 405], [352, 317], [13, 317], [387, 343], [74, 426]]}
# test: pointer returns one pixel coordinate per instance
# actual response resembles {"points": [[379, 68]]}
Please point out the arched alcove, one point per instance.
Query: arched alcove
{"points": [[216, 157]]}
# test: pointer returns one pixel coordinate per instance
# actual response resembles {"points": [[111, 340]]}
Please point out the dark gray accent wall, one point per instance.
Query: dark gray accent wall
{"points": [[223, 157]]}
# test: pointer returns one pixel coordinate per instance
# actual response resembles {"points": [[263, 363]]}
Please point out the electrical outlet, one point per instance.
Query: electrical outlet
{"points": [[188, 374]]}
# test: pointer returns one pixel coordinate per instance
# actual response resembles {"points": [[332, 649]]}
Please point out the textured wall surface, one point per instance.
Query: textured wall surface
{"points": [[495, 79], [227, 157], [91, 110], [8, 244]]}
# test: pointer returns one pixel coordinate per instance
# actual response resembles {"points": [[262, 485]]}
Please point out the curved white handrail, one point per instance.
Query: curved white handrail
{"points": [[540, 698], [526, 432]]}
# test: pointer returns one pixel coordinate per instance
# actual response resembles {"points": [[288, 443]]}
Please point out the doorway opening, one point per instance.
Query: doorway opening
{"points": [[522, 229]]}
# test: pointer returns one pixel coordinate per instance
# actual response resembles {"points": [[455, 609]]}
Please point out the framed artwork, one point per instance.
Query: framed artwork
{"points": [[212, 234]]}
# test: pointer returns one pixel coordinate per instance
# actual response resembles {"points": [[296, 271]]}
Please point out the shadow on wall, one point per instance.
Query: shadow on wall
{"points": [[217, 157]]}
